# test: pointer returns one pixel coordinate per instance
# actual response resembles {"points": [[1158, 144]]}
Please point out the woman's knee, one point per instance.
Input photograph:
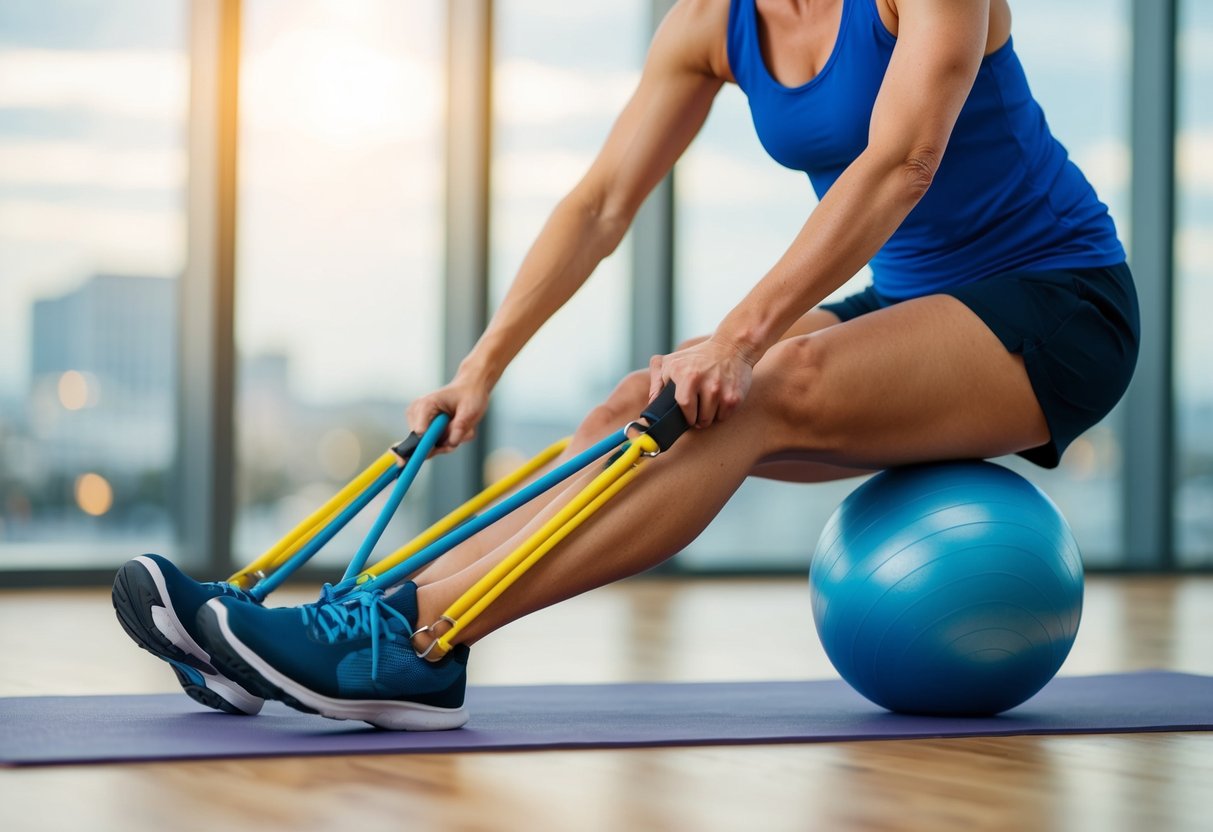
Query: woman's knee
{"points": [[792, 386]]}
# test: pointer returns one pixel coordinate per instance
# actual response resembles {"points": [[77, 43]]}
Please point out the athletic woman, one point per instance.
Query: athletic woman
{"points": [[1002, 318]]}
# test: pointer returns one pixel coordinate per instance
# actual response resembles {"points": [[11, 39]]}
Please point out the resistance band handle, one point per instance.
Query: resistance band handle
{"points": [[666, 422], [405, 447]]}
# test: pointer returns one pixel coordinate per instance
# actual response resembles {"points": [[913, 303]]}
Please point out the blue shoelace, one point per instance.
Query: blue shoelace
{"points": [[355, 616]]}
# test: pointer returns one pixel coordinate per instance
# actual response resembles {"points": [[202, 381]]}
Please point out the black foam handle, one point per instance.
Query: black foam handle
{"points": [[405, 447], [666, 422]]}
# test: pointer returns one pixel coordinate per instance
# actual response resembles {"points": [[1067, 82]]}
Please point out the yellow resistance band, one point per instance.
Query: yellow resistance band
{"points": [[299, 536], [591, 498], [471, 507]]}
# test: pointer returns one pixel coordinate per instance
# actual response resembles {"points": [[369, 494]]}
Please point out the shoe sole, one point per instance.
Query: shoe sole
{"points": [[243, 662], [145, 611]]}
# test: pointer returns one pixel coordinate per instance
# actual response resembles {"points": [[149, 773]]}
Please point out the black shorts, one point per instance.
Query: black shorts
{"points": [[1077, 330]]}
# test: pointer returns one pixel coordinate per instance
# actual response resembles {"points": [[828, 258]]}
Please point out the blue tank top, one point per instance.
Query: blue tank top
{"points": [[1005, 197]]}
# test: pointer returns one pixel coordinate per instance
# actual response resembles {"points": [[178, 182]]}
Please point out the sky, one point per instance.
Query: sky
{"points": [[340, 219]]}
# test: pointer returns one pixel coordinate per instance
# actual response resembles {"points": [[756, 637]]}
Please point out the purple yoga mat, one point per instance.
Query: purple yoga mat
{"points": [[84, 729]]}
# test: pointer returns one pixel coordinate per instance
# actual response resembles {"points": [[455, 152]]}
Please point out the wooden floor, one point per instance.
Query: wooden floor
{"points": [[67, 642]]}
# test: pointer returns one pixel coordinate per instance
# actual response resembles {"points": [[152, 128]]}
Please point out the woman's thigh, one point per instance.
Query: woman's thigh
{"points": [[803, 471], [793, 470], [922, 380]]}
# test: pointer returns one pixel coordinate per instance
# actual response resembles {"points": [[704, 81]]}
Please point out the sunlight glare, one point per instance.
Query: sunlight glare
{"points": [[331, 86]]}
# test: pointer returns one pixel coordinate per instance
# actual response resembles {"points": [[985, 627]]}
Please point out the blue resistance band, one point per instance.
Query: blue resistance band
{"points": [[271, 582], [479, 522], [428, 440]]}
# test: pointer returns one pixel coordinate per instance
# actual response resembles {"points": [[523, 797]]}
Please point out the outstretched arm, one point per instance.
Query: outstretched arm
{"points": [[939, 49], [680, 79]]}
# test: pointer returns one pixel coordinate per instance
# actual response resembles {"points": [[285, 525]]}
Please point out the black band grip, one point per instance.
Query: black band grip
{"points": [[666, 422], [405, 447]]}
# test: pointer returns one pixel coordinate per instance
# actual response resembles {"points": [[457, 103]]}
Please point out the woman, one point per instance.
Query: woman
{"points": [[1002, 318]]}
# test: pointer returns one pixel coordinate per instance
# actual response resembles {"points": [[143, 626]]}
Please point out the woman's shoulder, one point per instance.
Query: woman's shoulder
{"points": [[889, 12], [700, 27]]}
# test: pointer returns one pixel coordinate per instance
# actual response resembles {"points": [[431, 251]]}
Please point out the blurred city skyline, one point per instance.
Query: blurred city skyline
{"points": [[107, 195], [340, 206]]}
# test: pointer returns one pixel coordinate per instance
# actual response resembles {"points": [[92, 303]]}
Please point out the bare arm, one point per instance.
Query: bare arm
{"points": [[939, 49], [669, 106]]}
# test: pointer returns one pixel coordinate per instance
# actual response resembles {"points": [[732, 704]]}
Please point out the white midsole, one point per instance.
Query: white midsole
{"points": [[166, 621], [400, 716], [231, 692], [165, 617]]}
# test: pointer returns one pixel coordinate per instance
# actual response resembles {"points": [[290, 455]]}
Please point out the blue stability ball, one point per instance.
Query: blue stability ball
{"points": [[952, 588]]}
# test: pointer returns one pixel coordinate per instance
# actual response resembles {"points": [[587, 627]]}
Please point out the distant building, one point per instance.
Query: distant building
{"points": [[117, 328], [119, 333]]}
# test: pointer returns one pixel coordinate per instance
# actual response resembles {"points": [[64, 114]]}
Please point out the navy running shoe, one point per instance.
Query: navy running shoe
{"points": [[349, 658], [157, 605]]}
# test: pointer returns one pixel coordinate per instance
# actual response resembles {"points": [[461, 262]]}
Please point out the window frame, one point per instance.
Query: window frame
{"points": [[205, 384]]}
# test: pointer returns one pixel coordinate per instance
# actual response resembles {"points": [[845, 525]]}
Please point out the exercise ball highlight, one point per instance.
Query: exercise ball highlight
{"points": [[947, 589]]}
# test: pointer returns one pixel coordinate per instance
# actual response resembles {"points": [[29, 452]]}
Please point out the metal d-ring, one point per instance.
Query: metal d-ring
{"points": [[429, 628], [643, 429], [640, 426]]}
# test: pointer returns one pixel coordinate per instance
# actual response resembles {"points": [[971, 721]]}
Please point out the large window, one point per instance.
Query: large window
{"points": [[1194, 288], [738, 211], [1077, 57], [339, 201], [562, 73], [339, 249], [93, 105]]}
